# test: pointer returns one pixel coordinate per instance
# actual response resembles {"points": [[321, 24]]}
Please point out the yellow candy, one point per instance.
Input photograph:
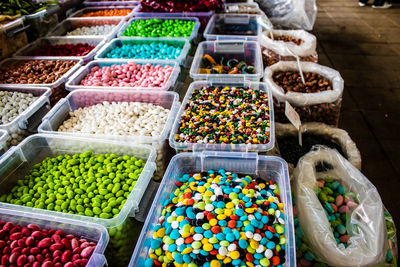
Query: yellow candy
{"points": [[161, 232], [221, 217], [208, 247], [234, 254], [220, 257], [227, 212], [201, 189], [245, 191], [204, 241], [250, 210], [280, 205], [251, 250], [271, 199], [180, 218], [158, 251], [243, 235], [153, 256], [229, 205], [253, 244], [227, 260], [215, 263], [187, 250], [155, 235], [250, 264], [262, 185], [169, 256], [184, 235], [192, 230], [208, 193], [213, 222]]}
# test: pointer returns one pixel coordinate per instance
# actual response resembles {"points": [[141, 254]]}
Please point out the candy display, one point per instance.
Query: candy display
{"points": [[58, 184], [108, 13], [222, 65], [290, 81], [147, 50], [12, 104], [224, 28], [117, 118], [129, 75], [35, 246], [225, 114], [243, 8], [220, 218], [62, 50], [180, 6], [93, 30], [34, 71], [159, 28]]}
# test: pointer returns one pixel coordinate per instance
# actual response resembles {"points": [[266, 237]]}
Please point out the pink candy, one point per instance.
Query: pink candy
{"points": [[129, 75]]}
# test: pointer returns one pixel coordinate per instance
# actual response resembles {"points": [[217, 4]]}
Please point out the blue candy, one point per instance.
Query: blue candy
{"points": [[178, 258]]}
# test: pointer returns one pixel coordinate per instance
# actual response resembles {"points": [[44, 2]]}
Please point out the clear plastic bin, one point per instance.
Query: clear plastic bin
{"points": [[89, 97], [42, 22], [68, 25], [3, 141], [90, 231], [28, 120], [79, 13], [268, 168], [111, 3], [193, 36], [223, 147], [98, 42], [12, 37], [17, 162], [234, 27], [118, 42], [203, 17], [248, 51], [57, 88], [75, 80]]}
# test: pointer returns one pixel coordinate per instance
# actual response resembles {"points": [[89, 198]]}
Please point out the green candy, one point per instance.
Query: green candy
{"points": [[84, 184], [159, 28]]}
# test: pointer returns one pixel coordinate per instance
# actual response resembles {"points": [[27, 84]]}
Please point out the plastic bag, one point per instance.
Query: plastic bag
{"points": [[365, 224], [306, 48], [292, 14], [312, 107], [338, 136]]}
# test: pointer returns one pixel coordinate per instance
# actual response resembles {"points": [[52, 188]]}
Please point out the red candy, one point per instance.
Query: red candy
{"points": [[35, 247], [63, 50]]}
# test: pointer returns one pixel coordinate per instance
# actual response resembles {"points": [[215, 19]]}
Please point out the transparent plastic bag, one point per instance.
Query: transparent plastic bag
{"points": [[312, 107], [293, 14], [365, 224], [336, 135]]}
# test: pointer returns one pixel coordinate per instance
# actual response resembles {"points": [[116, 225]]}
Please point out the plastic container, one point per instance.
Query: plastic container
{"points": [[75, 80], [57, 87], [89, 97], [203, 17], [12, 37], [247, 51], [41, 22], [234, 27], [111, 3], [90, 231], [98, 42], [79, 13], [270, 168], [223, 147], [68, 25], [118, 42], [28, 120], [193, 36], [3, 141]]}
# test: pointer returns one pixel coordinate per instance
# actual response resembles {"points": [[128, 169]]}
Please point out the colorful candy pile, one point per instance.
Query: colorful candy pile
{"points": [[85, 184], [34, 246], [152, 50], [223, 28], [108, 13], [180, 5], [129, 75], [220, 218], [63, 50], [209, 65], [160, 28], [337, 205], [225, 115]]}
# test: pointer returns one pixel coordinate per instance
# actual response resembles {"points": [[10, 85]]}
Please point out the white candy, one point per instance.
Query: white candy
{"points": [[94, 30], [12, 104], [197, 237], [179, 241], [223, 251], [232, 247], [209, 207], [175, 224], [257, 237], [268, 254]]}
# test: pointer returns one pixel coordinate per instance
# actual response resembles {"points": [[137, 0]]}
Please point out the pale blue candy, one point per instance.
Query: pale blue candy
{"points": [[148, 263]]}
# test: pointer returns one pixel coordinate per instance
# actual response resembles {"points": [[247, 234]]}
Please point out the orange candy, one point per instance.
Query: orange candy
{"points": [[108, 13]]}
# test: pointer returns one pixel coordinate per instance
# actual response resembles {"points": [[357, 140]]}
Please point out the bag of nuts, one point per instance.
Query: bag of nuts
{"points": [[313, 133], [318, 100], [280, 45]]}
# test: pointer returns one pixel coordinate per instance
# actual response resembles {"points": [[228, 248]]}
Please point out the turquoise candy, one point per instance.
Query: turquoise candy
{"points": [[341, 229], [175, 234], [243, 243], [178, 258], [270, 245], [155, 243], [148, 262]]}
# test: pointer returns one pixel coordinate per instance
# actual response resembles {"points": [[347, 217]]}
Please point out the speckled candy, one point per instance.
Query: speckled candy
{"points": [[218, 115], [129, 75], [190, 232]]}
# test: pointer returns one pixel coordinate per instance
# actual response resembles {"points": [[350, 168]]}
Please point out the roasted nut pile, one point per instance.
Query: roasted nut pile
{"points": [[290, 81], [287, 38], [35, 71]]}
